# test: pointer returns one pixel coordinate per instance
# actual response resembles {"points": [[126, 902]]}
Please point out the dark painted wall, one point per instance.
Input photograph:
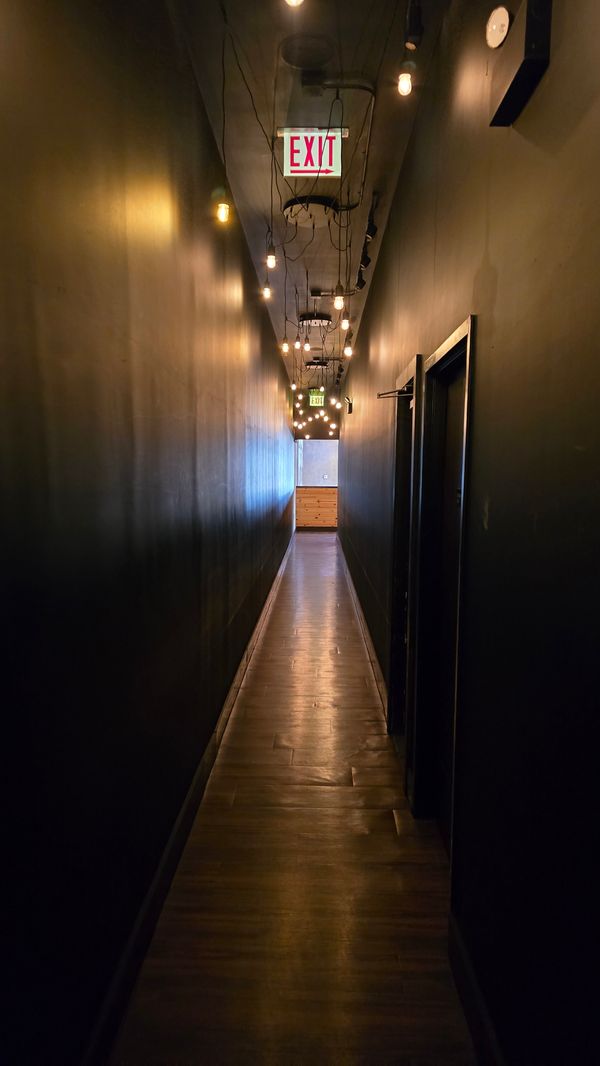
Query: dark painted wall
{"points": [[505, 223], [147, 470]]}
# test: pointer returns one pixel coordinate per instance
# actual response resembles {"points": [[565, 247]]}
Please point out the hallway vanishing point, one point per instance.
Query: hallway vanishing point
{"points": [[307, 921]]}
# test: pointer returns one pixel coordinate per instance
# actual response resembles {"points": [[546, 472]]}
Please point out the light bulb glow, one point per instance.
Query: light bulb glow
{"points": [[326, 418], [331, 433], [332, 400], [322, 388], [307, 436], [294, 386], [266, 292], [333, 425], [338, 405], [345, 324], [300, 395], [294, 3], [405, 83], [223, 212], [285, 346], [298, 343], [297, 406], [348, 350], [307, 346], [338, 303], [271, 258]]}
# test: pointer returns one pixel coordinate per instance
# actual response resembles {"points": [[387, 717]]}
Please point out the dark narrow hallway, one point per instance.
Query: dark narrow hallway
{"points": [[307, 921]]}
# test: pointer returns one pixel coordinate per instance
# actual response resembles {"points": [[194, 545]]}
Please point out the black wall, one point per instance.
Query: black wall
{"points": [[505, 223], [147, 470]]}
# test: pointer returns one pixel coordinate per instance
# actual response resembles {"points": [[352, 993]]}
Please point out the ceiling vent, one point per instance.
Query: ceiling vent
{"points": [[309, 211], [305, 51]]}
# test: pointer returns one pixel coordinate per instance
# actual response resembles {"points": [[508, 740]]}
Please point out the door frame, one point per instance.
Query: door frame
{"points": [[420, 753], [402, 620]]}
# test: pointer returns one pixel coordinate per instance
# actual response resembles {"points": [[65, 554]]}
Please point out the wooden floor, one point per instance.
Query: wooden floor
{"points": [[307, 920]]}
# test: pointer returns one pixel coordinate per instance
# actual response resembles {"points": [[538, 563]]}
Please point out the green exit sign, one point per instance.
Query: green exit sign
{"points": [[316, 398]]}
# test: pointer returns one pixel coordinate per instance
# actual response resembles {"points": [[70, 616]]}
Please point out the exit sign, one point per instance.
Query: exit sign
{"points": [[316, 398], [310, 150]]}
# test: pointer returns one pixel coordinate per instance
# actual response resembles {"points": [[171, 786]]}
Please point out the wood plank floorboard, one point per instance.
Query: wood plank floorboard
{"points": [[307, 920]]}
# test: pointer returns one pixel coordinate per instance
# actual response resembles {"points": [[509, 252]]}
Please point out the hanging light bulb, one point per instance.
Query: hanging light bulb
{"points": [[307, 436], [266, 290], [405, 83], [331, 433], [223, 210], [333, 425], [300, 395], [332, 400], [294, 3], [322, 388], [295, 425], [326, 418], [297, 406], [297, 343], [338, 405], [348, 349], [285, 347], [307, 345], [271, 258], [345, 323], [338, 299], [310, 418], [294, 386]]}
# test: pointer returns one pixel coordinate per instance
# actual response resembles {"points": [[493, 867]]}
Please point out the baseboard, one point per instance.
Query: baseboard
{"points": [[480, 1024], [362, 621], [121, 986]]}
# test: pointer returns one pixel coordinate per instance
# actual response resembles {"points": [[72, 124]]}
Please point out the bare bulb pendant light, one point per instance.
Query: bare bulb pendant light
{"points": [[271, 258], [345, 323], [348, 349], [294, 3], [223, 212], [266, 290], [297, 343], [338, 300], [405, 83], [307, 345], [285, 346]]}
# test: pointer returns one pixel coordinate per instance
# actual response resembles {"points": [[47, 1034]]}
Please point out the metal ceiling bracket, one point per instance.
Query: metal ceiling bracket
{"points": [[398, 393]]}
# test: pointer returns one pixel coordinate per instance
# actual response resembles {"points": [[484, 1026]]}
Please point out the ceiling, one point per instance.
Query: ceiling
{"points": [[326, 64]]}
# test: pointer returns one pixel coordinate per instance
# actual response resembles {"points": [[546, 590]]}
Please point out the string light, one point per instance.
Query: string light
{"points": [[223, 212]]}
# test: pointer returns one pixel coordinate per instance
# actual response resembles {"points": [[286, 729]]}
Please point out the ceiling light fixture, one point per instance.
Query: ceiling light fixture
{"points": [[405, 83], [294, 3], [413, 31]]}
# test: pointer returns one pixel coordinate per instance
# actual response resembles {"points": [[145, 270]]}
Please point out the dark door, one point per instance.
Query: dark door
{"points": [[432, 705], [401, 540]]}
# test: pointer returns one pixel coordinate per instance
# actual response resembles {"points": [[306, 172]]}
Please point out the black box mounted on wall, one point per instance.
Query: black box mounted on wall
{"points": [[521, 61]]}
